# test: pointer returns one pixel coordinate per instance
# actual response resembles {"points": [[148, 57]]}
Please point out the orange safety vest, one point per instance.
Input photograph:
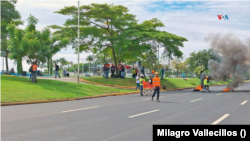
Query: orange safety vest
{"points": [[156, 82], [153, 72]]}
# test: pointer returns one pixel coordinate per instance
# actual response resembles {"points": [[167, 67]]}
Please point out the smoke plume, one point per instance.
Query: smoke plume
{"points": [[236, 57]]}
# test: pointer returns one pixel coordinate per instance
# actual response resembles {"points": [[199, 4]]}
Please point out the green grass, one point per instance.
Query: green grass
{"points": [[15, 89], [170, 83]]}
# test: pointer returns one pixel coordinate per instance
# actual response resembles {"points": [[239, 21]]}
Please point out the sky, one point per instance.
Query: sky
{"points": [[193, 20]]}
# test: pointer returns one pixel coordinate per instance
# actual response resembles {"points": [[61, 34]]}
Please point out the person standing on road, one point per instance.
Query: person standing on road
{"points": [[142, 79], [34, 68], [157, 86], [56, 70], [113, 71], [205, 84], [162, 73], [137, 82]]}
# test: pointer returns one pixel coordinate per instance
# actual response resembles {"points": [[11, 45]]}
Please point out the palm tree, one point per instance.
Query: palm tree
{"points": [[89, 59]]}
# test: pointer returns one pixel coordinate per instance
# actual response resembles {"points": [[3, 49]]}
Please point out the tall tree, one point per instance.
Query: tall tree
{"points": [[8, 15], [149, 59], [111, 28], [178, 65], [200, 60], [89, 59], [33, 45]]}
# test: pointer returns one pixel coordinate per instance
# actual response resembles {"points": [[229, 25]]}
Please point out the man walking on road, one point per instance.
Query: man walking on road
{"points": [[56, 70], [157, 86]]}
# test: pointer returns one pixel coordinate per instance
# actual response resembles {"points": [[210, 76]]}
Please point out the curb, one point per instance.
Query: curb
{"points": [[106, 84], [66, 99]]}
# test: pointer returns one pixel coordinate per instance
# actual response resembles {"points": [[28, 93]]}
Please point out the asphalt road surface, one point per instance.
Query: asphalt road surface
{"points": [[123, 118]]}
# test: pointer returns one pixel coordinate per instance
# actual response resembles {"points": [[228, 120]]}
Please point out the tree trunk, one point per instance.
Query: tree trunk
{"points": [[19, 66], [89, 67], [116, 68], [6, 60]]}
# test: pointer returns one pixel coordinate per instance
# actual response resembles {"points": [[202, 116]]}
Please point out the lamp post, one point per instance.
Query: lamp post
{"points": [[78, 44]]}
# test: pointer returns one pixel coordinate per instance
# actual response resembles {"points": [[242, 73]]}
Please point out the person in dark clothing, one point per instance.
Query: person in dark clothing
{"points": [[143, 71], [106, 71], [122, 71], [56, 70], [113, 71]]}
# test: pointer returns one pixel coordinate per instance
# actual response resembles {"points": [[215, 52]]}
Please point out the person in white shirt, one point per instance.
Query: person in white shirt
{"points": [[137, 81]]}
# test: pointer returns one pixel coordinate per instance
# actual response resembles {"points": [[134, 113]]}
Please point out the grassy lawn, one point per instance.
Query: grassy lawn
{"points": [[170, 83], [14, 89]]}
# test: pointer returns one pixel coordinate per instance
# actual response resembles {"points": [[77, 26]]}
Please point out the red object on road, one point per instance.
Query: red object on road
{"points": [[147, 85]]}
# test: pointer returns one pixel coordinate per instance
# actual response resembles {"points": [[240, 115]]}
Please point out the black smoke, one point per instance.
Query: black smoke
{"points": [[235, 58]]}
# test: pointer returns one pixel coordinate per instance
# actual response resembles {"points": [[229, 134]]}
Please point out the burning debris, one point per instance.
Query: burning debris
{"points": [[236, 57], [228, 90]]}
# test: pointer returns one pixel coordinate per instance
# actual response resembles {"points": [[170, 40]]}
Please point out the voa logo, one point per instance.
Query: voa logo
{"points": [[223, 17]]}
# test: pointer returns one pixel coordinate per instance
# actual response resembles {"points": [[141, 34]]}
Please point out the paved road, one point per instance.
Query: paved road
{"points": [[123, 118]]}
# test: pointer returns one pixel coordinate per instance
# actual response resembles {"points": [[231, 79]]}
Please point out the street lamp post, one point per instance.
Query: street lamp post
{"points": [[78, 44]]}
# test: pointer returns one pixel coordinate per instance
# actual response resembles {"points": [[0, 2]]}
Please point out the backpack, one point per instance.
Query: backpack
{"points": [[57, 67], [30, 69]]}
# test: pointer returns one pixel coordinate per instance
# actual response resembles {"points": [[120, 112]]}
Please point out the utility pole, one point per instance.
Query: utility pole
{"points": [[82, 66], [49, 66], [158, 58], [3, 59], [78, 43], [93, 68]]}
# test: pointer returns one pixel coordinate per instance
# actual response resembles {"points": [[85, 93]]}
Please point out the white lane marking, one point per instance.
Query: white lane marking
{"points": [[151, 97], [244, 102], [79, 109], [219, 93], [220, 119], [196, 100], [143, 113]]}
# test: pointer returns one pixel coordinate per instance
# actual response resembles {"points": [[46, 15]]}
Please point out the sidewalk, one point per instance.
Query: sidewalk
{"points": [[74, 80]]}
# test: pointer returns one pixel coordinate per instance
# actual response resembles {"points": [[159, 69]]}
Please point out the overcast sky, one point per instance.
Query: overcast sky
{"points": [[190, 19]]}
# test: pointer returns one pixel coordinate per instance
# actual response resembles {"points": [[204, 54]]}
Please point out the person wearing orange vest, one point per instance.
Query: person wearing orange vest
{"points": [[34, 68], [157, 86], [153, 72]]}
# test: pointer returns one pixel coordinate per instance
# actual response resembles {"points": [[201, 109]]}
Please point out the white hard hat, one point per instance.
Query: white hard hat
{"points": [[141, 75]]}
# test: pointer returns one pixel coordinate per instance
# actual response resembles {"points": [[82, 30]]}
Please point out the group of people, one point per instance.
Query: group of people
{"points": [[155, 82], [106, 69], [66, 73], [34, 72]]}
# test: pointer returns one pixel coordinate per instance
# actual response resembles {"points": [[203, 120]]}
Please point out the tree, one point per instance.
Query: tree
{"points": [[178, 65], [200, 60], [111, 28], [149, 59], [89, 59], [8, 14], [31, 44]]}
